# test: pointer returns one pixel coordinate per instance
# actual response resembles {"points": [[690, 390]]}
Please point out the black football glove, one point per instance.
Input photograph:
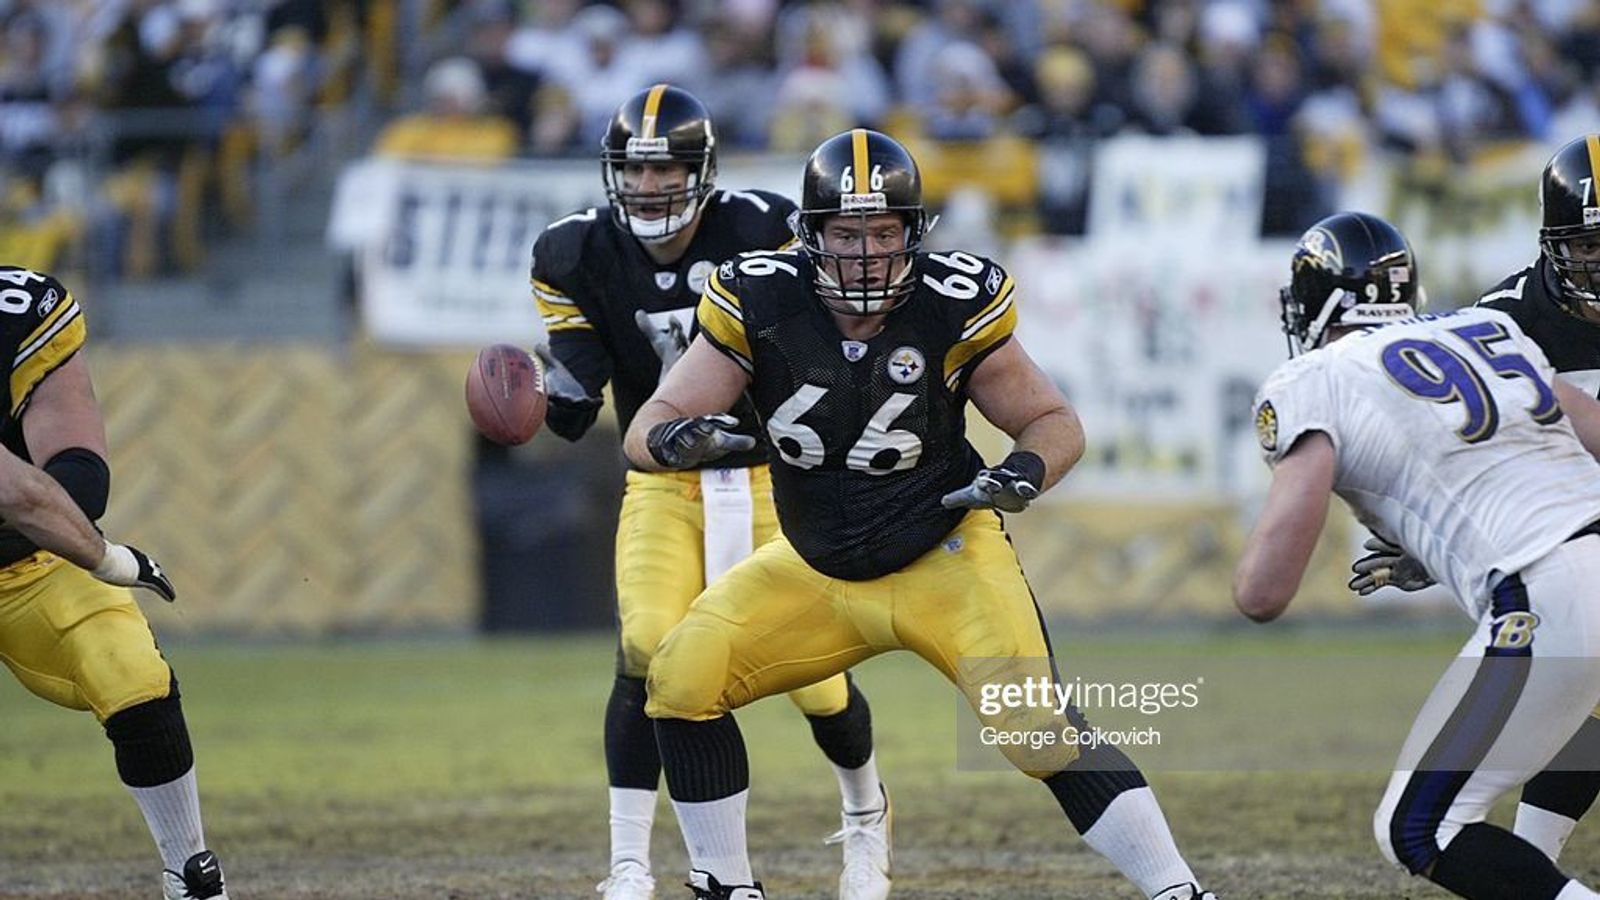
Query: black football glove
{"points": [[1388, 565], [561, 387], [690, 442], [669, 343], [131, 567], [1008, 487]]}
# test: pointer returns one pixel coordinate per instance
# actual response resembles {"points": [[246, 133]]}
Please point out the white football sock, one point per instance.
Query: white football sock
{"points": [[633, 811], [859, 789], [1544, 829], [714, 833], [1132, 833], [1576, 891], [172, 811]]}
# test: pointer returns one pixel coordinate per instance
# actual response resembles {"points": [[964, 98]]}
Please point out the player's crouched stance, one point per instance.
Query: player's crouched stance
{"points": [[860, 355], [1449, 437], [69, 629]]}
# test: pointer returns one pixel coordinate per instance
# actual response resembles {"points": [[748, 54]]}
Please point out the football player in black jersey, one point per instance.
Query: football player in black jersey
{"points": [[617, 289], [860, 354], [69, 629], [1557, 302]]}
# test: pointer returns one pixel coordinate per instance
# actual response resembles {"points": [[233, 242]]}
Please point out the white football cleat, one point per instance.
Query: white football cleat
{"points": [[1185, 892], [201, 879], [628, 881], [866, 840]]}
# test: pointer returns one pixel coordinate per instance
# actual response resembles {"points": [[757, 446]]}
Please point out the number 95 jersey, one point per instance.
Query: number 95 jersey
{"points": [[864, 437], [1448, 439]]}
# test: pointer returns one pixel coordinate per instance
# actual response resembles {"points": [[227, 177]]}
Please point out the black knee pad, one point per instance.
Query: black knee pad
{"points": [[1087, 786], [632, 760], [846, 736], [703, 761], [151, 741], [1489, 863]]}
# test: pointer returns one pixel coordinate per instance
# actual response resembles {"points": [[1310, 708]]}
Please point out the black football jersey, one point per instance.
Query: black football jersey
{"points": [[864, 437], [591, 277], [1571, 344], [41, 327]]}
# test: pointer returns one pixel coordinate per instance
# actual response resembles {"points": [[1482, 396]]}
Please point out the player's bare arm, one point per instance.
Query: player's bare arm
{"points": [[1014, 394], [704, 383], [37, 506], [1582, 410], [1279, 549], [63, 413], [66, 434]]}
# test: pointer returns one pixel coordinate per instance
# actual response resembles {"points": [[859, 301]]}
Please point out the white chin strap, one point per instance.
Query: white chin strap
{"points": [[657, 231], [867, 302]]}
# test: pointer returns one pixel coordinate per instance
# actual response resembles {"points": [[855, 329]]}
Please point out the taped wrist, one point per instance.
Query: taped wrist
{"points": [[1028, 466], [85, 476]]}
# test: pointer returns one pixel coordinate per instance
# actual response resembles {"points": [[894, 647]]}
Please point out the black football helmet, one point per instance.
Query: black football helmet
{"points": [[861, 173], [1349, 269], [661, 124], [1571, 211]]}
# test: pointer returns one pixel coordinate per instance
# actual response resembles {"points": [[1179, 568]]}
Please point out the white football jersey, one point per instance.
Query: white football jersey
{"points": [[1448, 440]]}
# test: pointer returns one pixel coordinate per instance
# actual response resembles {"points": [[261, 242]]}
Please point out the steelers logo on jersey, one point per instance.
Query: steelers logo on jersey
{"points": [[1267, 425], [906, 365], [698, 273]]}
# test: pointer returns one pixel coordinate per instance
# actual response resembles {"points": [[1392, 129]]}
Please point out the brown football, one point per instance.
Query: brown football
{"points": [[505, 394]]}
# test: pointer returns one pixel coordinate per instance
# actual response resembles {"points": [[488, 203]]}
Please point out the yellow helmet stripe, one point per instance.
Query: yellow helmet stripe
{"points": [[858, 143], [652, 107], [1594, 156]]}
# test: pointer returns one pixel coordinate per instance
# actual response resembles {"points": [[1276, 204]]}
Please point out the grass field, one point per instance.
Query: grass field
{"points": [[473, 769]]}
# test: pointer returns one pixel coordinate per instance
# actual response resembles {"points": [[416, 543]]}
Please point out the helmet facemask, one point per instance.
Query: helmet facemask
{"points": [[845, 280], [681, 206], [1579, 271]]}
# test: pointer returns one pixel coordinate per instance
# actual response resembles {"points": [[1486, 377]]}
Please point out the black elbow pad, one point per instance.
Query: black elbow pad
{"points": [[85, 476]]}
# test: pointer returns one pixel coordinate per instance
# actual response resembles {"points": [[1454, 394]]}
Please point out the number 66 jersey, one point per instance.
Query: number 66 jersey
{"points": [[864, 437], [1448, 440]]}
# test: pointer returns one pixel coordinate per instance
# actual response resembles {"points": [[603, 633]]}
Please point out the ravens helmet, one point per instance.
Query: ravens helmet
{"points": [[861, 173], [661, 124], [1571, 212], [1350, 269]]}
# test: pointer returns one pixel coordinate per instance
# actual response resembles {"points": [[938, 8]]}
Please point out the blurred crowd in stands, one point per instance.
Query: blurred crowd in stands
{"points": [[139, 124]]}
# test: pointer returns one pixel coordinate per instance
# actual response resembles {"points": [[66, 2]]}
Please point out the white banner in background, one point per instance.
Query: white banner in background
{"points": [[443, 250], [1193, 189], [1161, 349]]}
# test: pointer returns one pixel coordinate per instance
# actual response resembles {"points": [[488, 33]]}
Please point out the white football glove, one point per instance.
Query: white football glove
{"points": [[131, 567], [689, 442], [669, 342], [1388, 565]]}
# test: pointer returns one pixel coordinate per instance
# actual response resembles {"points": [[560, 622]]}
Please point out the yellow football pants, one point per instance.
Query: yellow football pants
{"points": [[773, 623], [661, 569], [77, 641]]}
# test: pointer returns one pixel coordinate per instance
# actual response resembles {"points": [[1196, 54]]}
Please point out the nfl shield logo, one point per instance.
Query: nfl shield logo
{"points": [[853, 350], [665, 280]]}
